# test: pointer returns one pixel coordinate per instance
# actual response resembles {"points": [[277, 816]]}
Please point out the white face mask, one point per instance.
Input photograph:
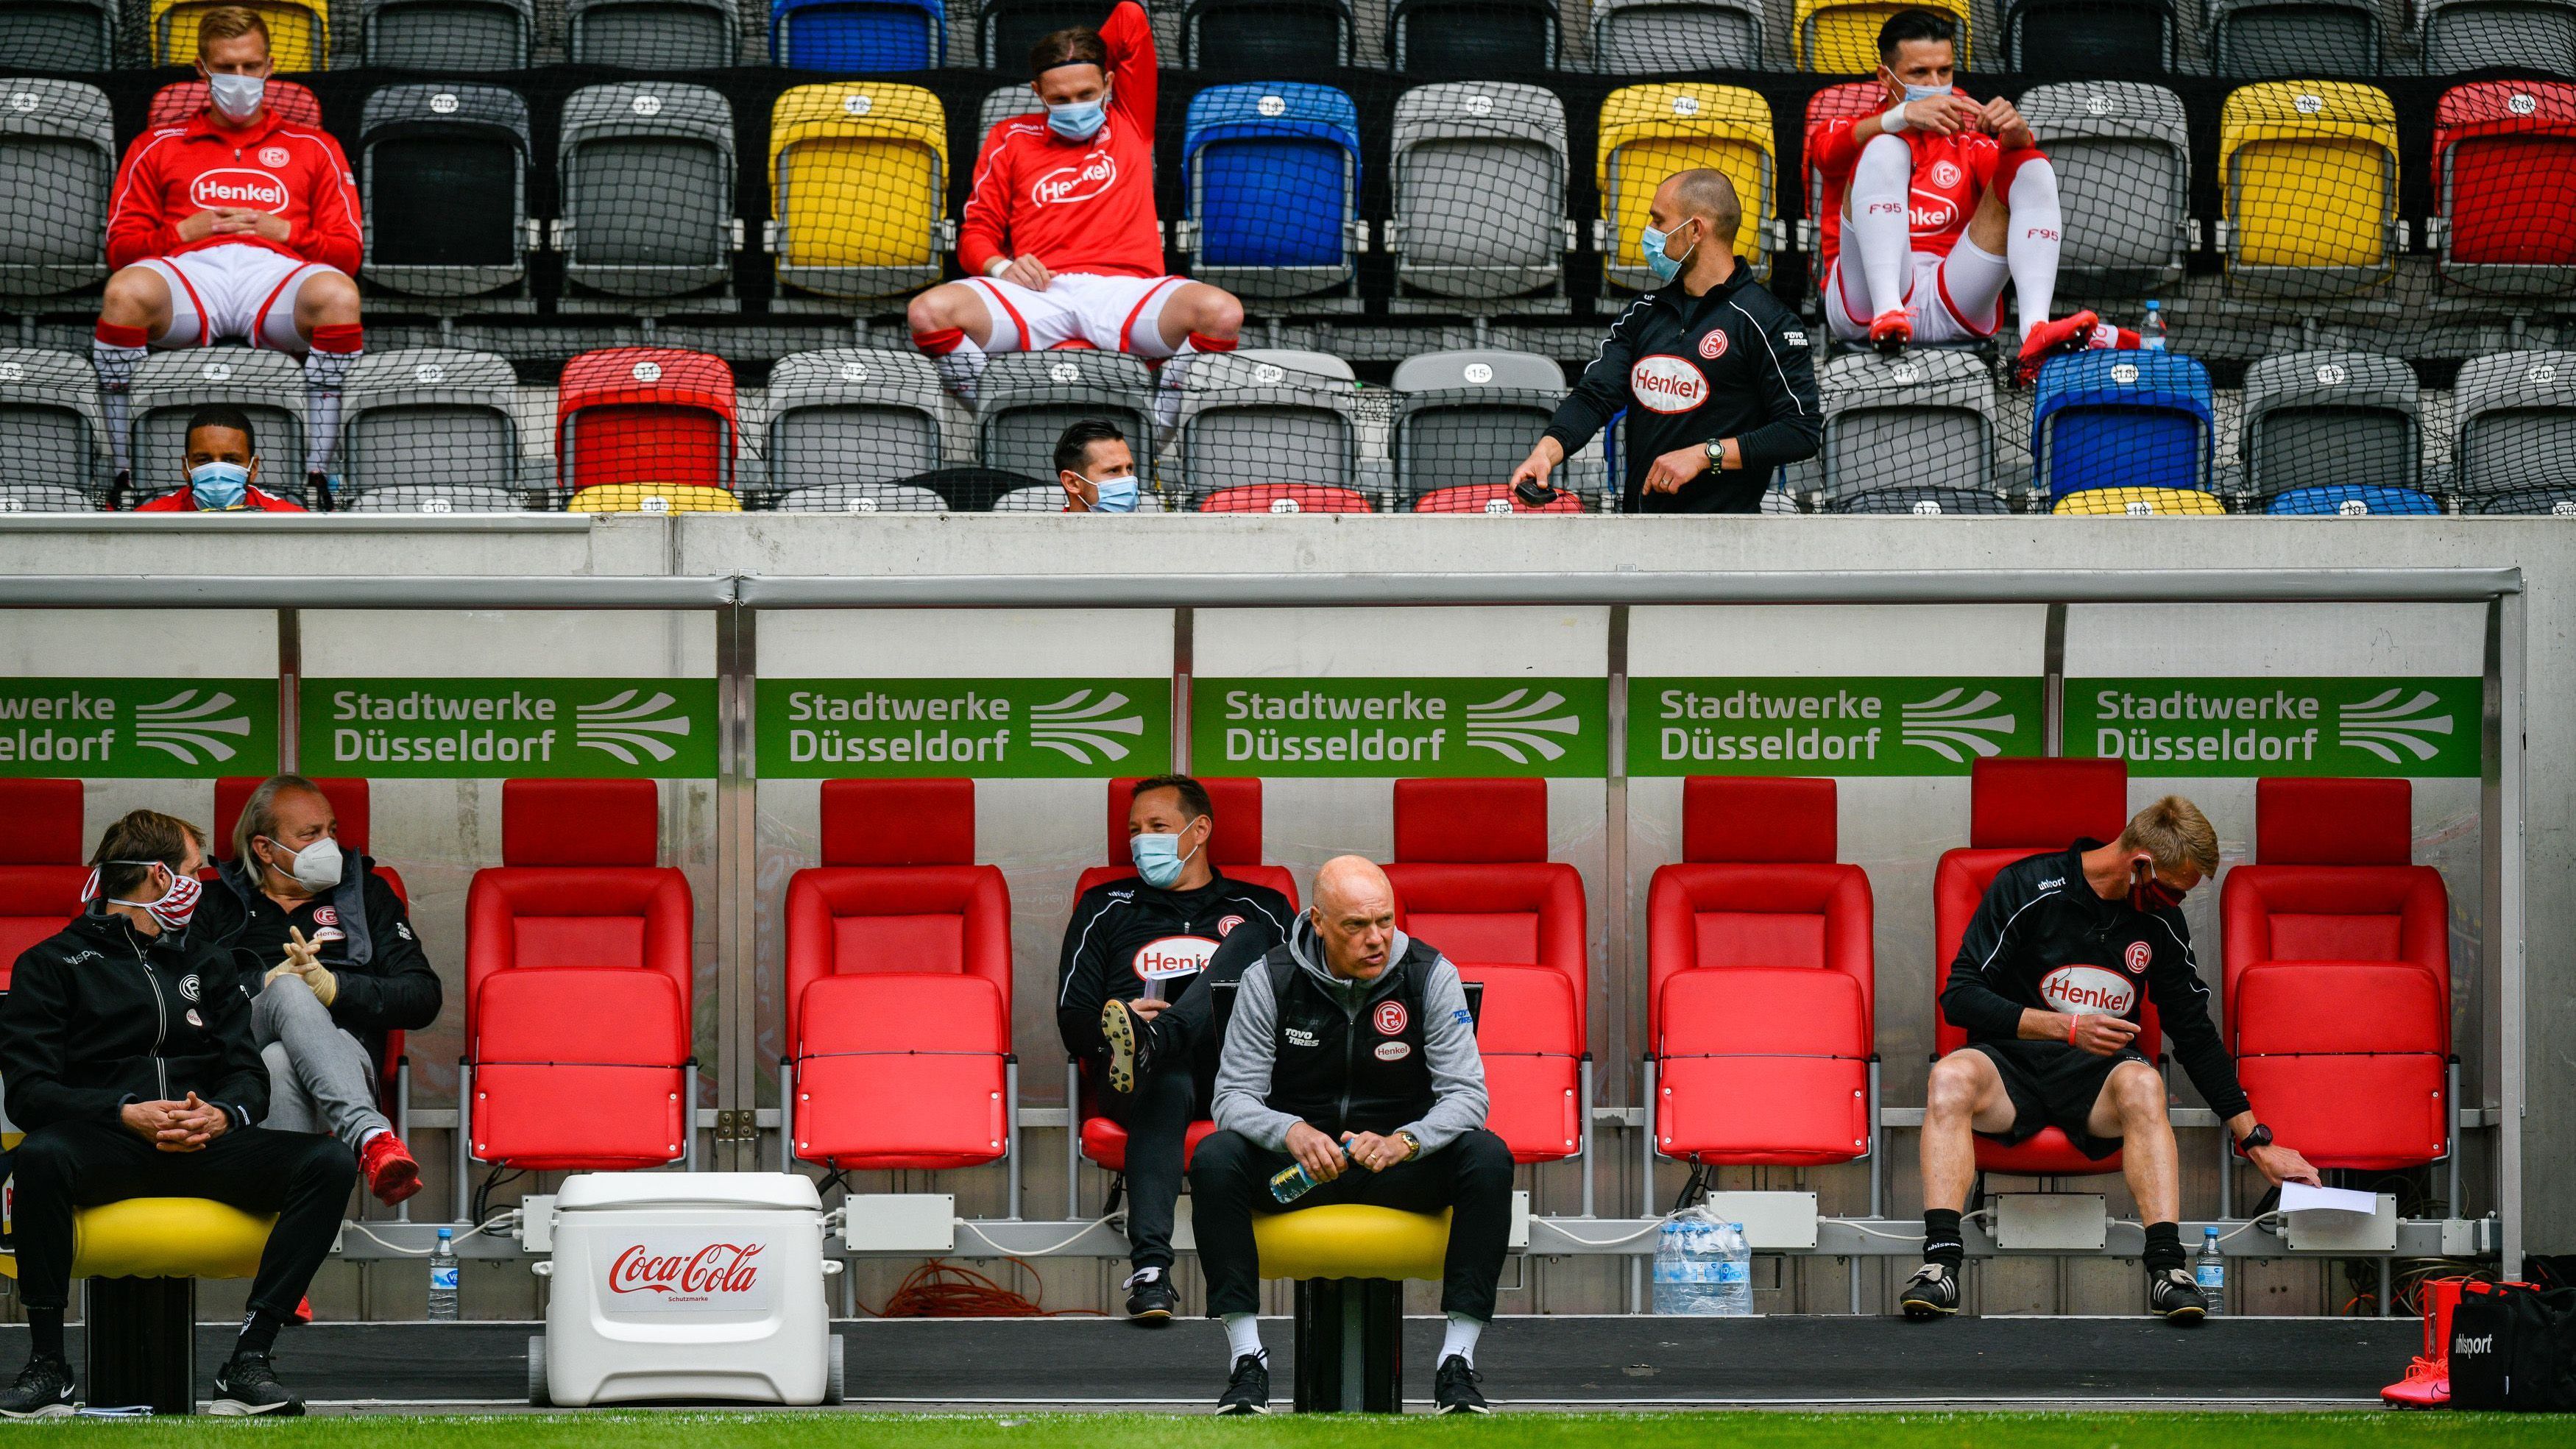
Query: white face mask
{"points": [[317, 866], [237, 97]]}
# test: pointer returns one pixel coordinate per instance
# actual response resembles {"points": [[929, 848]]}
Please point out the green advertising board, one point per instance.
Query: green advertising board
{"points": [[991, 728], [2416, 728], [186, 729], [1817, 725], [445, 729], [1413, 727]]}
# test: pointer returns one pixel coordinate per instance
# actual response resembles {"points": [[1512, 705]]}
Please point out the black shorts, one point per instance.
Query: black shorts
{"points": [[2053, 1084]]}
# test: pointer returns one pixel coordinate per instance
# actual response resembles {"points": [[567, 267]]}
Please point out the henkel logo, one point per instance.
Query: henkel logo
{"points": [[684, 1272], [2087, 989], [1931, 212], [1067, 184], [2137, 957], [1173, 956], [1389, 1018], [238, 186], [1667, 384]]}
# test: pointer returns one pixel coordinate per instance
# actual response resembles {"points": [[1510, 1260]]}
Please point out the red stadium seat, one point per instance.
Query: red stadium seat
{"points": [[178, 102], [2334, 912], [41, 874], [1284, 498], [578, 983], [1481, 498], [1851, 99], [2019, 808], [1760, 980], [899, 983], [2504, 177], [646, 415], [1473, 880]]}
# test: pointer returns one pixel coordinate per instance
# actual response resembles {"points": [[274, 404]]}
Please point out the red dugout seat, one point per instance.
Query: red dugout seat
{"points": [[2019, 808], [2338, 975], [577, 983], [178, 102], [1761, 980], [41, 873], [1284, 498], [1472, 879], [646, 415], [1481, 498], [899, 983], [2504, 178]]}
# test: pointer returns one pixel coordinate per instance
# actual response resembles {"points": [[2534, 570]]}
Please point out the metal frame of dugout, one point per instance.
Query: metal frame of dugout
{"points": [[739, 599]]}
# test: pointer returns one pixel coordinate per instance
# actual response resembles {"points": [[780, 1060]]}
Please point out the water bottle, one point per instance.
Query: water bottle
{"points": [[2151, 332], [1295, 1182], [442, 1278], [2210, 1271], [1703, 1266]]}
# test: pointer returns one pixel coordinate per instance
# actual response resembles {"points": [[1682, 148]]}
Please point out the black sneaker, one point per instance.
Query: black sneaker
{"points": [[2173, 1296], [43, 1391], [1453, 1389], [1248, 1392], [1131, 1044], [1933, 1292], [1150, 1299], [248, 1385]]}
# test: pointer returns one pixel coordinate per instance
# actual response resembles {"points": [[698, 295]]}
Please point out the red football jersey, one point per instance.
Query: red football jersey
{"points": [[1951, 174], [173, 172], [1078, 206]]}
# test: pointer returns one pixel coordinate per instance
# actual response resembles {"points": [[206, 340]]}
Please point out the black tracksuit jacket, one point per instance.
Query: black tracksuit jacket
{"points": [[99, 1014], [1118, 925]]}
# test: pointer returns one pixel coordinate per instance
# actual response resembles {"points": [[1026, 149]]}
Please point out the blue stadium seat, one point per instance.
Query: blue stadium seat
{"points": [[2353, 499], [2122, 420], [1273, 186], [858, 37]]}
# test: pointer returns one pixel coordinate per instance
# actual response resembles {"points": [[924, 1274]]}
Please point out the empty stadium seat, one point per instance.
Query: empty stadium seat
{"points": [[2109, 419], [653, 416], [1491, 498], [2354, 500], [2319, 425], [646, 175], [1049, 498], [443, 179], [859, 37], [418, 418], [1458, 414], [1648, 133], [1472, 879], [2504, 187], [463, 495], [2020, 808], [2332, 910], [2273, 39], [1761, 978], [1027, 399], [1471, 37], [49, 412], [2553, 500], [1272, 187], [178, 102], [1645, 37], [447, 35], [2469, 35], [1824, 224], [1923, 501], [41, 869], [2513, 420], [847, 423], [898, 983], [267, 386], [1275, 37], [1260, 417], [653, 34], [1926, 419], [299, 35], [2133, 502], [1480, 179], [2122, 150], [1840, 37], [59, 35], [2307, 171], [858, 176], [58, 156], [1284, 498], [1008, 28], [2089, 37], [1003, 103], [578, 985]]}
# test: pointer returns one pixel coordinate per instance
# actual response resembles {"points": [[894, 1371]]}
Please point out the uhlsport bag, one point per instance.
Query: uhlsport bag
{"points": [[2513, 1346]]}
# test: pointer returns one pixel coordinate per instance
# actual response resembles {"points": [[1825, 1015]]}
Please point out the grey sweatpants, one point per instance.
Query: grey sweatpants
{"points": [[319, 1078]]}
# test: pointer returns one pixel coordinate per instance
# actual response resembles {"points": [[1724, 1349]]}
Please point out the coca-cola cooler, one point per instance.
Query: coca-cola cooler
{"points": [[686, 1285]]}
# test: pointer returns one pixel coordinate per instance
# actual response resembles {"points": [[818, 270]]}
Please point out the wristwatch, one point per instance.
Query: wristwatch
{"points": [[1412, 1145], [1717, 455], [2261, 1136]]}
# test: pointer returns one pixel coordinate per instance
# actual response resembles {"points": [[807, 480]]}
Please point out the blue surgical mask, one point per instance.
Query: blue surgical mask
{"points": [[1158, 858], [219, 486], [236, 97], [1116, 495], [1078, 120], [1925, 93], [1662, 263]]}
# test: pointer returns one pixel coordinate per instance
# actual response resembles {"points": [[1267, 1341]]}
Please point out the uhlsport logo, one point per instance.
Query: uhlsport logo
{"points": [[2073, 989], [1081, 182], [621, 726], [238, 186], [192, 726], [1084, 729], [1171, 956], [1667, 384], [1512, 724], [2382, 725]]}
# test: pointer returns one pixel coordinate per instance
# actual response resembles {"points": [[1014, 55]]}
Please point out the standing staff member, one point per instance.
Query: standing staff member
{"points": [[1713, 371]]}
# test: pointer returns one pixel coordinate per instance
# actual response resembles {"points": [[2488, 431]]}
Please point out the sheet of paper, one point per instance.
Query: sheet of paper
{"points": [[2298, 1197]]}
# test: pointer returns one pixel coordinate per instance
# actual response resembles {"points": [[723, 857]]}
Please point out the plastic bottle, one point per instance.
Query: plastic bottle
{"points": [[1295, 1181], [442, 1278], [2151, 332], [2210, 1271], [1703, 1266]]}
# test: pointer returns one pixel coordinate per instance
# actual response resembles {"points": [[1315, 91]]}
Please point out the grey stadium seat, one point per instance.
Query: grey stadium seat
{"points": [[443, 178], [2282, 39], [49, 413], [1922, 501], [1049, 498], [1000, 104], [850, 418], [1259, 416], [1652, 37], [24, 496], [1470, 417], [2514, 427], [653, 34], [864, 498], [460, 497], [59, 35], [1480, 176], [1026, 399], [2122, 150], [426, 416], [57, 163], [2318, 419], [2467, 35], [646, 173], [1925, 420], [447, 35], [268, 386]]}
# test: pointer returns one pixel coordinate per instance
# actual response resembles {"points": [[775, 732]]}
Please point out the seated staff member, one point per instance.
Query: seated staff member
{"points": [[2046, 985], [223, 468], [1152, 935], [342, 968], [1096, 468], [1401, 1125], [125, 1041]]}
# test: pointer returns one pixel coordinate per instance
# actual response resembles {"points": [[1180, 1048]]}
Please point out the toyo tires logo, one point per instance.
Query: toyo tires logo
{"points": [[238, 186]]}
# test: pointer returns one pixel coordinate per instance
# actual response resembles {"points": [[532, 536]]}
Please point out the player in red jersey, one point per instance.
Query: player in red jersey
{"points": [[1060, 236], [1943, 199], [234, 225]]}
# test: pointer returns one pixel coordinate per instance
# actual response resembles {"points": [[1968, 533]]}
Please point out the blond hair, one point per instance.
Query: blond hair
{"points": [[229, 22], [2172, 831]]}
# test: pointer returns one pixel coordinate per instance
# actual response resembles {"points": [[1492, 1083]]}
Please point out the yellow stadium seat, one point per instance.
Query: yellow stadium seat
{"points": [[654, 498], [1351, 1240], [858, 177], [299, 35], [2137, 503], [1649, 132], [2308, 175], [1840, 37]]}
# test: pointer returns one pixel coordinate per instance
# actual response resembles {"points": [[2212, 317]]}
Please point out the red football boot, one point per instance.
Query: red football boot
{"points": [[387, 1165], [1891, 332]]}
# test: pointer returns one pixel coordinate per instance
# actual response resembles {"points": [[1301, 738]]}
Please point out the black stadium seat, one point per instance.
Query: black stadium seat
{"points": [[1273, 37], [1471, 37], [448, 35], [1008, 28], [2092, 38], [57, 35], [444, 183]]}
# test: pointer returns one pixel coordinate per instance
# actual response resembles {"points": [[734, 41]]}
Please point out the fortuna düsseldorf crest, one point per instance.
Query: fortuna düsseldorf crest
{"points": [[1390, 1018], [2139, 954]]}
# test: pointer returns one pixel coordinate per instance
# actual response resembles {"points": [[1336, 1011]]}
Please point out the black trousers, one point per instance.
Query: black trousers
{"points": [[1157, 1116], [1230, 1181], [302, 1177]]}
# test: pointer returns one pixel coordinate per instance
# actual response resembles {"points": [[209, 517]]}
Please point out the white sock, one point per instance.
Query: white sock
{"points": [[2031, 241], [1460, 1339], [961, 367], [324, 374], [1881, 186], [115, 368], [1243, 1336]]}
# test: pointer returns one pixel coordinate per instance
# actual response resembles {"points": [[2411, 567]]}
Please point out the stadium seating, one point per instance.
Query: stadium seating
{"points": [[2512, 415], [1840, 37], [1472, 878], [1008, 28], [2138, 503], [2504, 178], [1272, 181], [1492, 498], [1027, 399], [1761, 978], [1646, 37], [1648, 132], [1923, 420], [1284, 498], [2122, 150], [2019, 808], [2460, 36], [267, 386], [1480, 178], [898, 983], [1275, 37], [2332, 911], [1925, 500], [1000, 104], [858, 37], [843, 427], [2089, 37], [1824, 223], [2308, 177], [2126, 420], [41, 870], [649, 416], [1260, 417], [178, 102], [646, 172], [578, 984], [49, 412], [299, 34], [1471, 37], [443, 181], [59, 35], [2319, 425], [419, 421], [858, 174], [2276, 39], [447, 35], [1466, 419], [57, 142], [663, 35]]}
